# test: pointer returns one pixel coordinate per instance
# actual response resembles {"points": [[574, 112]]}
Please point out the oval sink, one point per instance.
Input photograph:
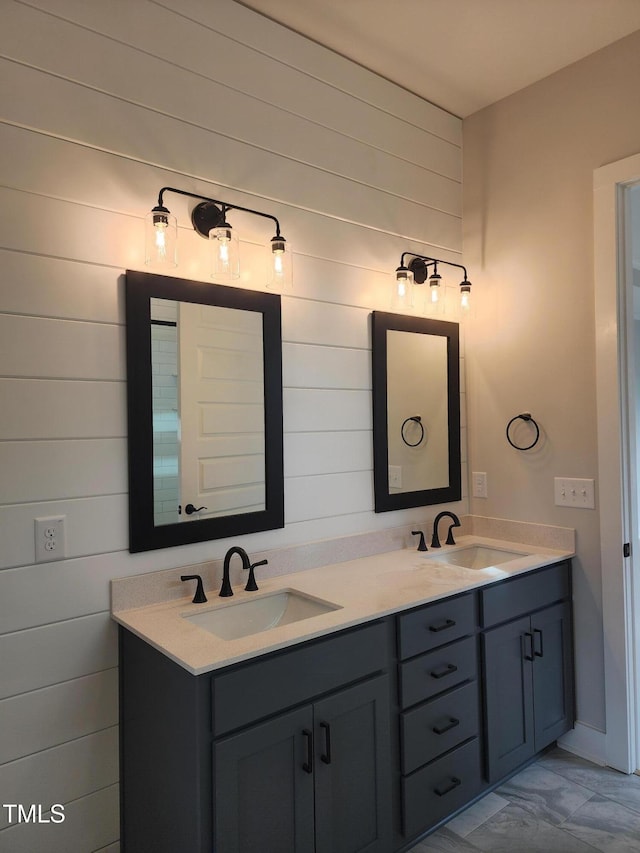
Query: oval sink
{"points": [[477, 557], [241, 619]]}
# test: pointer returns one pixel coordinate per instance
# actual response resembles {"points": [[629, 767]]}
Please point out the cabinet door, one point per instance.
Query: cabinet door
{"points": [[508, 660], [552, 673], [263, 800], [353, 770]]}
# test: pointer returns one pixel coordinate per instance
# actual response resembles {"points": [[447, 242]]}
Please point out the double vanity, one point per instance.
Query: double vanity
{"points": [[350, 707]]}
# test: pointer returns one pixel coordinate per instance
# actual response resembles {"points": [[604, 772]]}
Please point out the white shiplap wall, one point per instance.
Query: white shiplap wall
{"points": [[100, 105]]}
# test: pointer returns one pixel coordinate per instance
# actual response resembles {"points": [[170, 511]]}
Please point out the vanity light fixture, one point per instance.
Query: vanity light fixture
{"points": [[209, 220], [416, 271]]}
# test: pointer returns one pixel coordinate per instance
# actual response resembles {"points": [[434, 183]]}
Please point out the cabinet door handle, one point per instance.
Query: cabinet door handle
{"points": [[446, 727], [447, 669], [326, 756], [538, 654], [308, 765], [523, 639], [447, 623], [450, 787]]}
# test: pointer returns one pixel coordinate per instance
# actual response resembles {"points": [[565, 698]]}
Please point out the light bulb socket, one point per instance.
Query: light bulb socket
{"points": [[435, 279], [278, 245], [160, 215], [222, 232], [403, 275]]}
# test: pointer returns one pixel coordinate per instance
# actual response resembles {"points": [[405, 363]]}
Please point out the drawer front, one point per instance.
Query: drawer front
{"points": [[436, 624], [270, 684], [524, 594], [442, 669], [434, 792], [430, 674], [438, 726]]}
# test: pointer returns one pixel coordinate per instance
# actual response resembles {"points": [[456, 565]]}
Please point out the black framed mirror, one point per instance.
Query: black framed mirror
{"points": [[204, 392], [416, 411]]}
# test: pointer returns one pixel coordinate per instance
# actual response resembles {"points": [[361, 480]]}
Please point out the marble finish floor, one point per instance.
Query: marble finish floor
{"points": [[559, 804]]}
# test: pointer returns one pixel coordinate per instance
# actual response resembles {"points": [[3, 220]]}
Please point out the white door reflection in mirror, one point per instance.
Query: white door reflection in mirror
{"points": [[208, 411], [221, 394]]}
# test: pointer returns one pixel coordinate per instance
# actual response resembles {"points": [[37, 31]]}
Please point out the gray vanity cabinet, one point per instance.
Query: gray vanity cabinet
{"points": [[361, 741], [289, 751], [528, 667], [315, 780]]}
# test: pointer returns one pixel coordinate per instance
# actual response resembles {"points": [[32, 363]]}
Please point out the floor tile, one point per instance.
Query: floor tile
{"points": [[606, 825], [477, 814], [548, 795], [608, 783], [444, 841], [516, 830]]}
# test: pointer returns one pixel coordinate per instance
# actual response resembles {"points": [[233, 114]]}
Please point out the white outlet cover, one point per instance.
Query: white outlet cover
{"points": [[50, 538]]}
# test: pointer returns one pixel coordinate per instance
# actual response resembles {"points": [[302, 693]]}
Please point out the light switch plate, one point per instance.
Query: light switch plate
{"points": [[395, 476], [578, 493], [479, 479]]}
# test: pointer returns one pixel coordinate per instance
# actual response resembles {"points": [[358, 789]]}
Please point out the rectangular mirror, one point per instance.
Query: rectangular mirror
{"points": [[416, 411], [204, 378]]}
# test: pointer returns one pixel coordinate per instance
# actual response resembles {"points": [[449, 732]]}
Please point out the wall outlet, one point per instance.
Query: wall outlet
{"points": [[574, 492], [479, 480], [50, 538]]}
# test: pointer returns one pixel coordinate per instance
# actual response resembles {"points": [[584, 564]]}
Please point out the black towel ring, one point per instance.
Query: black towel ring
{"points": [[417, 420], [525, 416]]}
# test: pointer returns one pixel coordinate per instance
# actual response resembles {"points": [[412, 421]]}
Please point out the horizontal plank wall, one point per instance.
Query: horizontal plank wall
{"points": [[101, 104]]}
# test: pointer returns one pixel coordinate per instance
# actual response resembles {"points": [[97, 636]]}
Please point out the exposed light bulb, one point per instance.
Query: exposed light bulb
{"points": [[434, 286], [279, 268], [224, 245], [161, 234], [160, 239], [465, 295], [402, 298]]}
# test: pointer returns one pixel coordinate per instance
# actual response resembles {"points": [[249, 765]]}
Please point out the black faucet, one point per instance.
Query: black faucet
{"points": [[225, 589], [435, 542]]}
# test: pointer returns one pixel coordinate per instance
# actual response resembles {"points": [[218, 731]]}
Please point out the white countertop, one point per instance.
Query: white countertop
{"points": [[364, 589]]}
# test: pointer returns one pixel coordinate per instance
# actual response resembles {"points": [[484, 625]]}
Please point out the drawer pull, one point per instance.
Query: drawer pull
{"points": [[446, 727], [326, 756], [448, 623], [448, 669], [527, 653], [308, 764], [538, 654], [451, 787]]}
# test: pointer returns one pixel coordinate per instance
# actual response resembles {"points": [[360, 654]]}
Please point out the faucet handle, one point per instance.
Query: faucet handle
{"points": [[199, 597], [252, 586], [422, 545]]}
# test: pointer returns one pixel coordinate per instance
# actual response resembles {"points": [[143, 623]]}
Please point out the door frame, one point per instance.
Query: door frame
{"points": [[621, 676]]}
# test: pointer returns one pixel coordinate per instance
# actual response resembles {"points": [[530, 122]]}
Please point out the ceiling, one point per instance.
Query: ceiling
{"points": [[459, 54]]}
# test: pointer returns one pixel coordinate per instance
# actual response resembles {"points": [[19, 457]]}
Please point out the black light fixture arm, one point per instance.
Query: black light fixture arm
{"points": [[223, 205], [429, 261]]}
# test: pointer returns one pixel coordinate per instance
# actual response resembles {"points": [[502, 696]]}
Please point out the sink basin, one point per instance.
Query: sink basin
{"points": [[477, 557], [231, 621]]}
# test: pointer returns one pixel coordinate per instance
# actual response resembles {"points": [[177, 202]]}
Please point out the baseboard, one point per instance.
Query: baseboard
{"points": [[586, 742]]}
